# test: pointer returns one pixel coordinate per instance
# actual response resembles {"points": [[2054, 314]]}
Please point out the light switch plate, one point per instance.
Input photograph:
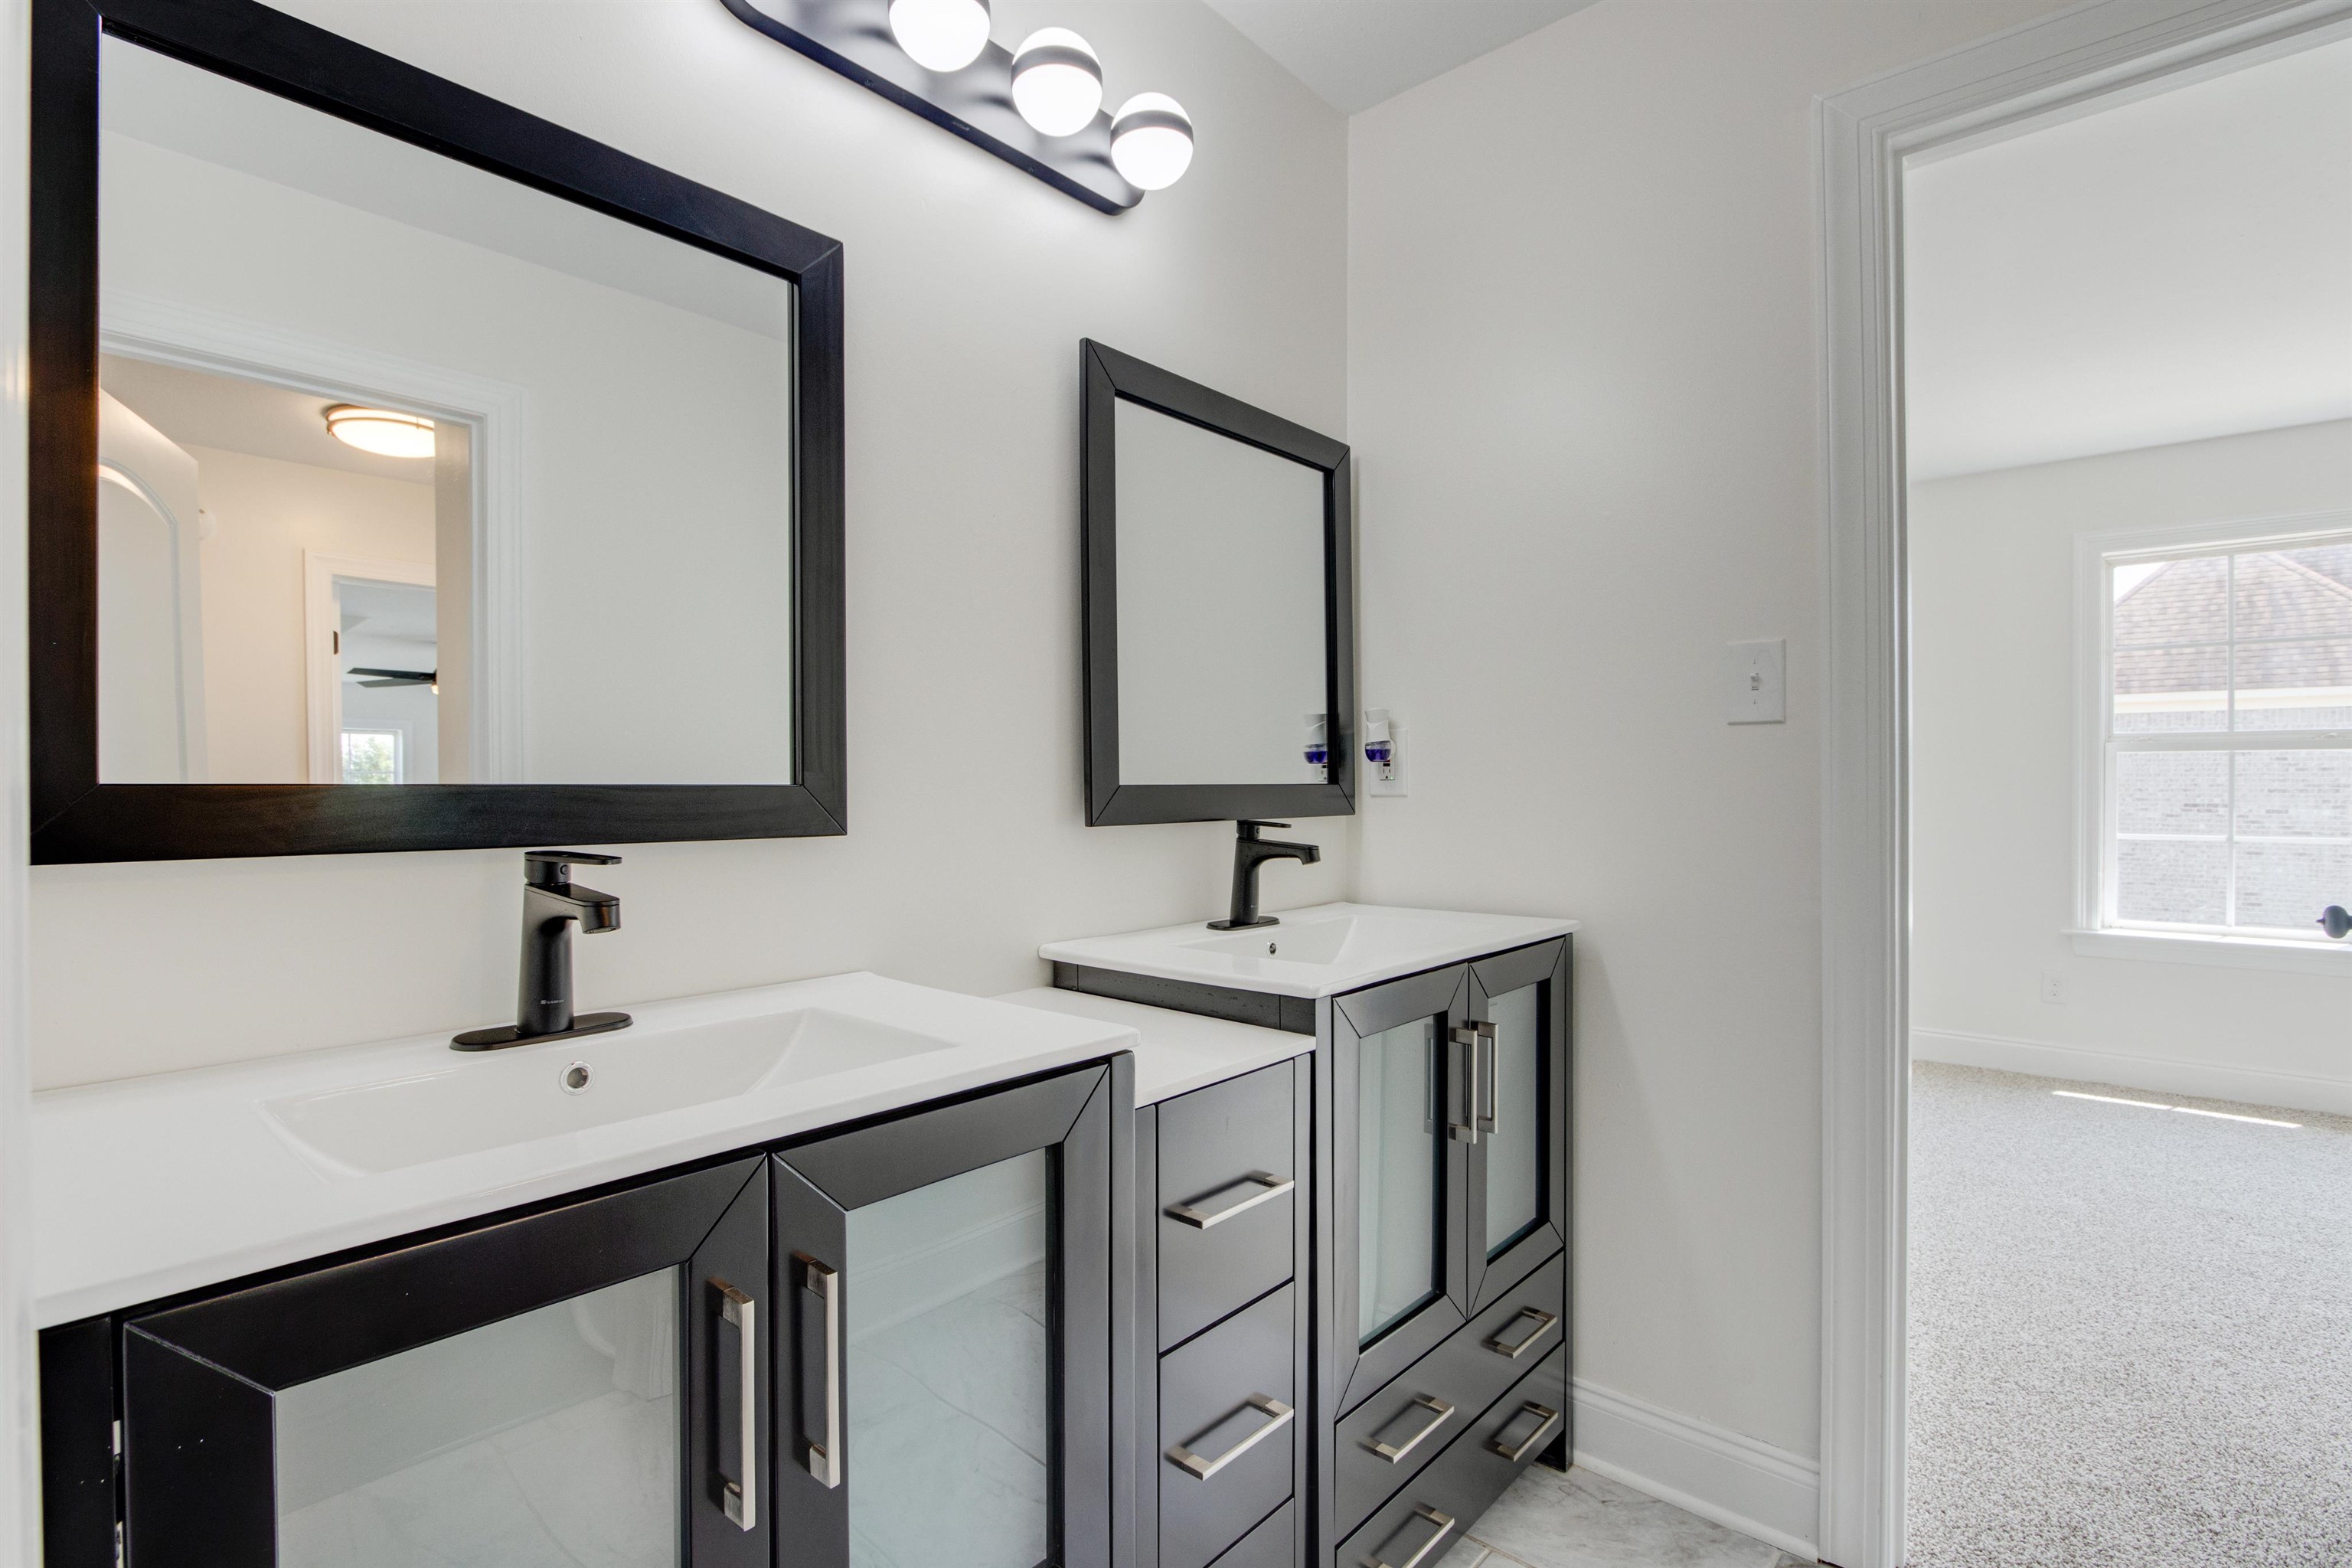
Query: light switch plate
{"points": [[1756, 682]]}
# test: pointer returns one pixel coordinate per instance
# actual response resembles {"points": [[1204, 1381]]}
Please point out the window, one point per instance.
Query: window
{"points": [[372, 756], [2226, 737]]}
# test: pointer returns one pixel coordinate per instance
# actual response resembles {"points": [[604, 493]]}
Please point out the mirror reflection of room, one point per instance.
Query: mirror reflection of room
{"points": [[412, 474]]}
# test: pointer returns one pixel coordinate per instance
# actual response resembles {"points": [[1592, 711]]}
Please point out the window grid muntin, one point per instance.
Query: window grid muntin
{"points": [[2230, 739]]}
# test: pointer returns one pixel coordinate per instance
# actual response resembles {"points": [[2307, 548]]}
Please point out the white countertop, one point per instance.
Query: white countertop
{"points": [[1177, 1052], [155, 1185], [1331, 948]]}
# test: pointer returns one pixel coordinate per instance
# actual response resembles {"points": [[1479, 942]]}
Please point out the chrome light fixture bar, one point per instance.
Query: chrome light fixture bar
{"points": [[854, 38]]}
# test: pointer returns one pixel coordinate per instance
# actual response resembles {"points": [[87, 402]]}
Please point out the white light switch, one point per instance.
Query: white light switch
{"points": [[1756, 682]]}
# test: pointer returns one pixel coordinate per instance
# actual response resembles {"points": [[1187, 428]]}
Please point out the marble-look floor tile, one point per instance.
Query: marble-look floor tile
{"points": [[1466, 1554], [1583, 1520]]}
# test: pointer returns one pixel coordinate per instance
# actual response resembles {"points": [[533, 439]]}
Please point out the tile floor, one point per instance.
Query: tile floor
{"points": [[1581, 1520]]}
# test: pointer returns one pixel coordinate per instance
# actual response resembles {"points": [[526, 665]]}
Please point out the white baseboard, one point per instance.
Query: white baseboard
{"points": [[1738, 1482], [2164, 1075]]}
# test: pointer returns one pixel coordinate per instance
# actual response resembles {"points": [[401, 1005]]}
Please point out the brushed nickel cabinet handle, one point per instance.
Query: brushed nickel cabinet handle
{"points": [[738, 1441], [1422, 1514], [824, 1456], [1271, 1187], [1464, 1131], [1547, 1422], [1193, 1465], [1489, 1106], [1440, 1414], [1517, 1348]]}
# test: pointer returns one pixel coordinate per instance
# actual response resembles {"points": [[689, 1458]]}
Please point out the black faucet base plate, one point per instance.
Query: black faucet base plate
{"points": [[507, 1034], [1244, 925]]}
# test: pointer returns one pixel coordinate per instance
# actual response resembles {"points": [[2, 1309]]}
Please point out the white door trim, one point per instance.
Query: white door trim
{"points": [[2056, 66], [20, 1495], [195, 337], [322, 670]]}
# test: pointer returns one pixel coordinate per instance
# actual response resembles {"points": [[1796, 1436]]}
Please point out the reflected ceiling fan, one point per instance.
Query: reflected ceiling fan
{"points": [[430, 677]]}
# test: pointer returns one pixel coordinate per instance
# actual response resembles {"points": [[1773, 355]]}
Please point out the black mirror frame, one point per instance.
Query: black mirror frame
{"points": [[1110, 376], [77, 819]]}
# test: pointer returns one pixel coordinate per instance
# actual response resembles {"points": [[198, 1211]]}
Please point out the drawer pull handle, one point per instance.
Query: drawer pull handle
{"points": [[1271, 1187], [1517, 1348], [1547, 1421], [1191, 1464], [1444, 1522], [1440, 1414]]}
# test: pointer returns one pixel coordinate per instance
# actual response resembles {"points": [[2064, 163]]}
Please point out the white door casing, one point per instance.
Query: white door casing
{"points": [[2069, 63]]}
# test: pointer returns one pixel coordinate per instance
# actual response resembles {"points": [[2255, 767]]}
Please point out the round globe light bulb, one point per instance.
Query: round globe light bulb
{"points": [[383, 431], [941, 36], [1057, 81], [1151, 140]]}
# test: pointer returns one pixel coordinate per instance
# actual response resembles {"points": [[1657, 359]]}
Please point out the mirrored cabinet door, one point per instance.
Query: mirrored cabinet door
{"points": [[943, 1355], [1514, 1048], [584, 1384]]}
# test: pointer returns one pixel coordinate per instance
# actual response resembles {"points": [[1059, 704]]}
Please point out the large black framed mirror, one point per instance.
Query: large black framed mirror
{"points": [[407, 471], [1220, 602]]}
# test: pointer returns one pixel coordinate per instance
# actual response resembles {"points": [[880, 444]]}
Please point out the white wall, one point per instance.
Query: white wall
{"points": [[1582, 397], [268, 513], [969, 286], [1992, 783]]}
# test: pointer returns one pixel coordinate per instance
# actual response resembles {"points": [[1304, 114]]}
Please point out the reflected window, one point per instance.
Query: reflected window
{"points": [[372, 756]]}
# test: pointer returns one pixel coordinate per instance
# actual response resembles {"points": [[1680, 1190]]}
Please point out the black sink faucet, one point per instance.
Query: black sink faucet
{"points": [[1250, 852], [551, 902]]}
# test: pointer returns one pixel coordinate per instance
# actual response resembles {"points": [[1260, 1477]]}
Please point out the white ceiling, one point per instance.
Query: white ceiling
{"points": [[1358, 53], [2168, 269], [197, 408]]}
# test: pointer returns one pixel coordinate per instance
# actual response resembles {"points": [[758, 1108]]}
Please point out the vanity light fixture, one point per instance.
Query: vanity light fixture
{"points": [[941, 36], [1057, 82], [1151, 140], [383, 431]]}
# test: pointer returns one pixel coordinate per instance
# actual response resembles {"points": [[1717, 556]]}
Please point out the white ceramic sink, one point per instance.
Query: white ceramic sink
{"points": [[152, 1186], [1317, 951], [478, 1102]]}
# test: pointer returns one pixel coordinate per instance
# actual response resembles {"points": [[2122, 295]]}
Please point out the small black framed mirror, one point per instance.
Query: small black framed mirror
{"points": [[407, 471], [1220, 604]]}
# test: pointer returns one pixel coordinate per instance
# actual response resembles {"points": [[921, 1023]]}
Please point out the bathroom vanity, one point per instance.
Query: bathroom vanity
{"points": [[1430, 1127], [837, 1262]]}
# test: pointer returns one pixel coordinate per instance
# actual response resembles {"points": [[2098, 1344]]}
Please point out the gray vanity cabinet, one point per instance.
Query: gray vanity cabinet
{"points": [[1223, 1379], [1442, 1223]]}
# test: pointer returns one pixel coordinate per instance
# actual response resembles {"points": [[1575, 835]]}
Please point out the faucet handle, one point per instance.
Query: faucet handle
{"points": [[1247, 825], [557, 863]]}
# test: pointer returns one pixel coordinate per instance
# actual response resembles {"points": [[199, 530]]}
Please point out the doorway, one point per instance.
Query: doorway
{"points": [[2075, 66]]}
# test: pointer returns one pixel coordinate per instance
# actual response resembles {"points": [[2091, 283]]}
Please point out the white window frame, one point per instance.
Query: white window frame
{"points": [[2096, 932], [399, 733]]}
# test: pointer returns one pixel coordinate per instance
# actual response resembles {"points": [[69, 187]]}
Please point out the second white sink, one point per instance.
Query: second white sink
{"points": [[565, 1086]]}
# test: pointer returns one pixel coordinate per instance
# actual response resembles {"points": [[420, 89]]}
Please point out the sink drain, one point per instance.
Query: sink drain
{"points": [[576, 1077]]}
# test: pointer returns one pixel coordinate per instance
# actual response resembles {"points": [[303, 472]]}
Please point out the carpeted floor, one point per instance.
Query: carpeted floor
{"points": [[2131, 1331]]}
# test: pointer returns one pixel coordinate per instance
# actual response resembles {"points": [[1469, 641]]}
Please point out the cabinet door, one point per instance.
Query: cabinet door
{"points": [[945, 1365], [578, 1385], [1393, 1202], [1514, 1046]]}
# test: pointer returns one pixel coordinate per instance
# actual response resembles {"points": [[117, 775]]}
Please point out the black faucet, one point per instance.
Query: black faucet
{"points": [[1250, 852], [551, 902]]}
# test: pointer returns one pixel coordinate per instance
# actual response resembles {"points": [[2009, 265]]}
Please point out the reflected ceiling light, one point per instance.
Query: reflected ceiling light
{"points": [[1057, 81], [941, 36], [1151, 140], [383, 431]]}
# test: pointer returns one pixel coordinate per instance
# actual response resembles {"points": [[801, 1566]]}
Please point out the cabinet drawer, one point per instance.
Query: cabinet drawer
{"points": [[1389, 1438], [1422, 1524], [1272, 1544], [1225, 1218], [1227, 1433]]}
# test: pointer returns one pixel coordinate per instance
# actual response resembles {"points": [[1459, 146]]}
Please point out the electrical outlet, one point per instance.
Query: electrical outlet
{"points": [[1756, 682], [2054, 988]]}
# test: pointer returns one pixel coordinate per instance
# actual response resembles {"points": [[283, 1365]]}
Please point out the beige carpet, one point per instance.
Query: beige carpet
{"points": [[2131, 1331]]}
